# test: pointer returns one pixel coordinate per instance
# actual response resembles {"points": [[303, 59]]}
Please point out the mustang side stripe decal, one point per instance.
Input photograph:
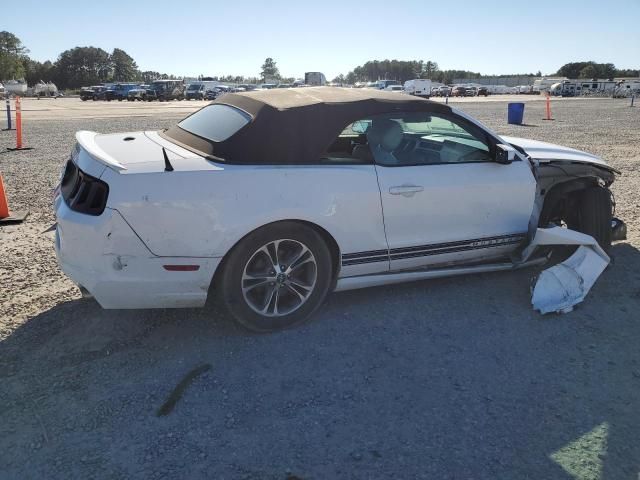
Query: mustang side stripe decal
{"points": [[373, 253], [448, 250], [488, 240], [428, 250], [346, 263]]}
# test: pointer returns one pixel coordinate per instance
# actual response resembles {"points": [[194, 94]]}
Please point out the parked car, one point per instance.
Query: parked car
{"points": [[90, 93], [98, 92], [482, 91], [119, 91], [218, 91], [472, 91], [383, 84], [211, 94], [395, 88], [442, 91], [163, 219], [459, 92], [138, 93], [198, 90], [164, 90], [195, 91]]}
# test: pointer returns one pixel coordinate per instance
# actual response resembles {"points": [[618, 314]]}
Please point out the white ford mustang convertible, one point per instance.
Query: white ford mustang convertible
{"points": [[272, 199]]}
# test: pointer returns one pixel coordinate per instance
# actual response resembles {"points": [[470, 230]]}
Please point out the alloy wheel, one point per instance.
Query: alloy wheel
{"points": [[279, 277]]}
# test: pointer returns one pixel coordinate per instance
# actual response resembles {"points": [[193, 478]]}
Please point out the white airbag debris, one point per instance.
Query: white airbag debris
{"points": [[561, 287]]}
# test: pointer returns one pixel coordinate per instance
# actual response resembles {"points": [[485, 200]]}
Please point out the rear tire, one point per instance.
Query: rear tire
{"points": [[267, 291], [594, 213]]}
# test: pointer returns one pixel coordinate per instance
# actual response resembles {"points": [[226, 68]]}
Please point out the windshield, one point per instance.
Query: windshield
{"points": [[215, 122], [193, 87]]}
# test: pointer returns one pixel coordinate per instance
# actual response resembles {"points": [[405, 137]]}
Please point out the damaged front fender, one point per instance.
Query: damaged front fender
{"points": [[561, 287]]}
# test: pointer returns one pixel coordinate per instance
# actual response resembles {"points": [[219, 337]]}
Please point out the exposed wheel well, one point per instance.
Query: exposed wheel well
{"points": [[334, 250], [560, 199]]}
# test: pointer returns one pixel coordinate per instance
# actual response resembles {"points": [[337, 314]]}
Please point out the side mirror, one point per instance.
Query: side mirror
{"points": [[505, 154]]}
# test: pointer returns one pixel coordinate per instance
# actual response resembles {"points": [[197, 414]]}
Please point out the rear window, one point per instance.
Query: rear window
{"points": [[215, 122]]}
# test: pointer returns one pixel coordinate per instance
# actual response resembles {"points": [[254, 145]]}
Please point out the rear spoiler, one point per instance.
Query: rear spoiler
{"points": [[87, 140]]}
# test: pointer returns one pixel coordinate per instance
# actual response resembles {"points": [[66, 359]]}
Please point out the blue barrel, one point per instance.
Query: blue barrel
{"points": [[515, 113]]}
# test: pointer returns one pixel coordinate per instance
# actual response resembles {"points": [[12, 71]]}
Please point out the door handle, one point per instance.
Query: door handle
{"points": [[406, 190]]}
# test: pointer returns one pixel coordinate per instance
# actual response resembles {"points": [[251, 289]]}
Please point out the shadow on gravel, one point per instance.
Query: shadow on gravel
{"points": [[455, 378]]}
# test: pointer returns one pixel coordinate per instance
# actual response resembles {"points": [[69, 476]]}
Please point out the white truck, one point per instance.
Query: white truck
{"points": [[418, 87], [315, 79]]}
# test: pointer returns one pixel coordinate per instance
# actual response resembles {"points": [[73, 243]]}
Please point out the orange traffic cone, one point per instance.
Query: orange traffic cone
{"points": [[5, 215]]}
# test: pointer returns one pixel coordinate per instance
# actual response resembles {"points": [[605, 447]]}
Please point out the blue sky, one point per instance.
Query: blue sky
{"points": [[234, 37]]}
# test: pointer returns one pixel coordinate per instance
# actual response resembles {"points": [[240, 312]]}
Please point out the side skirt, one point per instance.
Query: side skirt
{"points": [[364, 281]]}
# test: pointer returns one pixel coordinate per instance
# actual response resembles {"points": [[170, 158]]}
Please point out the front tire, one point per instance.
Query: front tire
{"points": [[276, 277]]}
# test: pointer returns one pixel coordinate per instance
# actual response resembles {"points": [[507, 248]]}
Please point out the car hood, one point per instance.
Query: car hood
{"points": [[547, 152]]}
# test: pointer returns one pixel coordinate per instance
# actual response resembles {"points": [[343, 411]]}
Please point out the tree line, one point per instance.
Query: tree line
{"points": [[83, 66], [592, 69], [402, 71], [74, 68]]}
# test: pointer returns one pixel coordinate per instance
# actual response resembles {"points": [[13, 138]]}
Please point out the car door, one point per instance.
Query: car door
{"points": [[445, 199]]}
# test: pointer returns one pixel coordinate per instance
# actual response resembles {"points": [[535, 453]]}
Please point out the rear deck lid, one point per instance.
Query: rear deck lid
{"points": [[139, 152]]}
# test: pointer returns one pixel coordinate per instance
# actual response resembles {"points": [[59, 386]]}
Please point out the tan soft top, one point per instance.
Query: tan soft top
{"points": [[296, 125]]}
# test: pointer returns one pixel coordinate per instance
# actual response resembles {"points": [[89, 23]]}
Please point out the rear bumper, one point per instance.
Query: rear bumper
{"points": [[105, 257]]}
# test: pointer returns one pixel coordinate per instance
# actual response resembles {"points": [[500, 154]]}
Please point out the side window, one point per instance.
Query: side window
{"points": [[350, 147], [409, 139]]}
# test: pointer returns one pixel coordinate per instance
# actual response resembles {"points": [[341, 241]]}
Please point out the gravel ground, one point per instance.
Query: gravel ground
{"points": [[454, 378]]}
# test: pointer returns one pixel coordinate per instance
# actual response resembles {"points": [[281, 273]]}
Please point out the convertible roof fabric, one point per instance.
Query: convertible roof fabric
{"points": [[297, 125]]}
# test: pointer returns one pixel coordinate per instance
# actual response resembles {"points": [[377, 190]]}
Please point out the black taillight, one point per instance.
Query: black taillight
{"points": [[83, 193]]}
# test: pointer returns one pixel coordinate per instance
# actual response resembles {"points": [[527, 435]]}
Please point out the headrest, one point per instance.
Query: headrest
{"points": [[386, 133]]}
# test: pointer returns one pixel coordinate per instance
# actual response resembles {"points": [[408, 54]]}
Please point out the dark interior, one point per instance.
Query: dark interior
{"points": [[413, 150]]}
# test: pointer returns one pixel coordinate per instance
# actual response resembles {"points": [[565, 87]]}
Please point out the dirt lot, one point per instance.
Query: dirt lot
{"points": [[455, 378]]}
